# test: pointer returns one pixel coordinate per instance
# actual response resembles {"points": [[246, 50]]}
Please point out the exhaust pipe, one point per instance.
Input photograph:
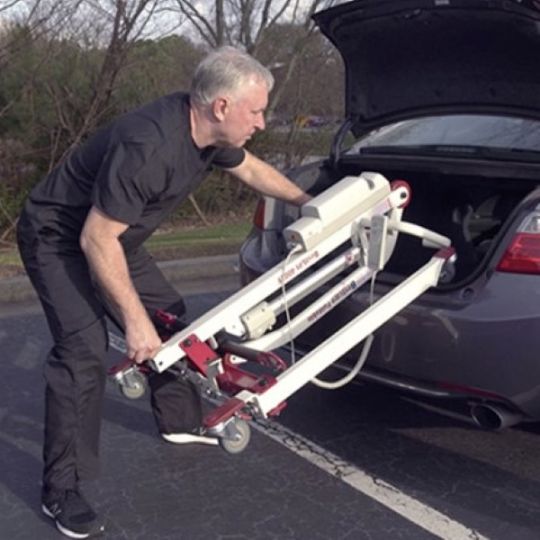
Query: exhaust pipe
{"points": [[494, 417]]}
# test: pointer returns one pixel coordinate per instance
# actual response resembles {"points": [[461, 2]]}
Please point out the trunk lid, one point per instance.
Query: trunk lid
{"points": [[407, 58]]}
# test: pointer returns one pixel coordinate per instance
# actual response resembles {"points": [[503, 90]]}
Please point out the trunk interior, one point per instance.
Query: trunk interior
{"points": [[469, 209]]}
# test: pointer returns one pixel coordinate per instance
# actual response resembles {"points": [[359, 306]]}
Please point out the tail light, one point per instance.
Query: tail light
{"points": [[258, 217], [523, 254]]}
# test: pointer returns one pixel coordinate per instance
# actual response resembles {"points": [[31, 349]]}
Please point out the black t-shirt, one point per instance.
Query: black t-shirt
{"points": [[136, 170]]}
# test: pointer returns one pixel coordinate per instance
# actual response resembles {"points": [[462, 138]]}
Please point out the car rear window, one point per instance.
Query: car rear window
{"points": [[458, 130]]}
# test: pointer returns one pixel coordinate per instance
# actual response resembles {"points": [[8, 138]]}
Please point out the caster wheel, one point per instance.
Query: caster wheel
{"points": [[134, 386], [239, 439]]}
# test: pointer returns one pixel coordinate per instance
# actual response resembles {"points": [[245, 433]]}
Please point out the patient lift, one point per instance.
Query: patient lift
{"points": [[344, 235]]}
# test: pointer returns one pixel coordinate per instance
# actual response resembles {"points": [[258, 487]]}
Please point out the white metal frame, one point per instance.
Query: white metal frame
{"points": [[227, 315], [365, 211], [346, 338]]}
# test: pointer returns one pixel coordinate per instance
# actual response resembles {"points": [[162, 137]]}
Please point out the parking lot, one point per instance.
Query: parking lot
{"points": [[356, 463]]}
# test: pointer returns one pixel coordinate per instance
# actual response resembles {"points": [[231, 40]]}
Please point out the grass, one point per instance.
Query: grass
{"points": [[193, 235], [164, 245], [198, 242]]}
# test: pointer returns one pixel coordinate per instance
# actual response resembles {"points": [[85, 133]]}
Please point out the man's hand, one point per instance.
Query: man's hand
{"points": [[142, 340]]}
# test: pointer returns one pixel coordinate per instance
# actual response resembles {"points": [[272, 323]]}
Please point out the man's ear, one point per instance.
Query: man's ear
{"points": [[220, 108]]}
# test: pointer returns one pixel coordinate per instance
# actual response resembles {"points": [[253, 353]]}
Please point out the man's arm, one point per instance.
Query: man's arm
{"points": [[267, 180], [101, 245]]}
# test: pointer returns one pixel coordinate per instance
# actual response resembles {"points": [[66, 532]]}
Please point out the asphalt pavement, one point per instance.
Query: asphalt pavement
{"points": [[356, 464], [150, 489]]}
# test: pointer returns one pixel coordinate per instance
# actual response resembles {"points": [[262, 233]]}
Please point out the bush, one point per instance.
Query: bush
{"points": [[220, 197]]}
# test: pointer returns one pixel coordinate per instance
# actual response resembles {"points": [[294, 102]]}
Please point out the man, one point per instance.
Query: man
{"points": [[80, 236]]}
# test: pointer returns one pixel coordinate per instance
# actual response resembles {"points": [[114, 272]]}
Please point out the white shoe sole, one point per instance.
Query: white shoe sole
{"points": [[188, 438], [46, 511]]}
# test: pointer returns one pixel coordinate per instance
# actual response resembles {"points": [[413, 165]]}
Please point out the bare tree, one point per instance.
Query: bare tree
{"points": [[124, 21], [36, 19], [68, 65], [247, 22], [36, 38], [37, 16], [24, 25], [8, 4]]}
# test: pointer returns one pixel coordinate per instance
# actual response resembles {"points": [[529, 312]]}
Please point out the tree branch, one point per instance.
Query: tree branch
{"points": [[199, 21]]}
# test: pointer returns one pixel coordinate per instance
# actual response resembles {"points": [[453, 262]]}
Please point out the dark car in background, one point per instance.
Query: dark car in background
{"points": [[444, 94]]}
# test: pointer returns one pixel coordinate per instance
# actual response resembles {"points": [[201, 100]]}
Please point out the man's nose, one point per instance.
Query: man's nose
{"points": [[260, 123]]}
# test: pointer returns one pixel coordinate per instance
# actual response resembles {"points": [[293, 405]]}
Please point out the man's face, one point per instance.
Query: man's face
{"points": [[241, 115]]}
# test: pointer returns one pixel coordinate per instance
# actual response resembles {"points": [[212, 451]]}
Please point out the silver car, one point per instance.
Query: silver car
{"points": [[445, 95]]}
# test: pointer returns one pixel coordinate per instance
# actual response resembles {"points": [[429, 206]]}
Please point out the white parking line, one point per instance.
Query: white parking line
{"points": [[384, 493]]}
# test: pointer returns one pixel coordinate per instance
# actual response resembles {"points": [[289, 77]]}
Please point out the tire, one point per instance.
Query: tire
{"points": [[235, 446], [136, 388]]}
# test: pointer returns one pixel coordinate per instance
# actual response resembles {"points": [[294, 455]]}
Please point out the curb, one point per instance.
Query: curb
{"points": [[19, 289]]}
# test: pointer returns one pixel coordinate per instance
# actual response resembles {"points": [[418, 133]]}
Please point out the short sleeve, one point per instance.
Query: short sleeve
{"points": [[122, 186], [227, 158]]}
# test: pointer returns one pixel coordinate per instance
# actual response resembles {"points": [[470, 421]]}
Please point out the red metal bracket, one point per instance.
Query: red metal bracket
{"points": [[224, 412], [200, 354]]}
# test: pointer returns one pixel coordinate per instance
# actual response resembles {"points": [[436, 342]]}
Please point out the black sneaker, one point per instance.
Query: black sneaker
{"points": [[72, 514]]}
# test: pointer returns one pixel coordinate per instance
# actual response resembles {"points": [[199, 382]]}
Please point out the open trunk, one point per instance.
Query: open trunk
{"points": [[472, 210]]}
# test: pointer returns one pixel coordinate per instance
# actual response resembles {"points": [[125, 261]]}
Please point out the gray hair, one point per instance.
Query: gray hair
{"points": [[226, 70]]}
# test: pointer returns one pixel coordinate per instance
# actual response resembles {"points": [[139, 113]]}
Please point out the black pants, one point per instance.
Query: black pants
{"points": [[74, 371]]}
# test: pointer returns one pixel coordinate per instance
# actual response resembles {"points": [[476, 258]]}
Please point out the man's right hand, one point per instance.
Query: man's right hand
{"points": [[142, 340]]}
